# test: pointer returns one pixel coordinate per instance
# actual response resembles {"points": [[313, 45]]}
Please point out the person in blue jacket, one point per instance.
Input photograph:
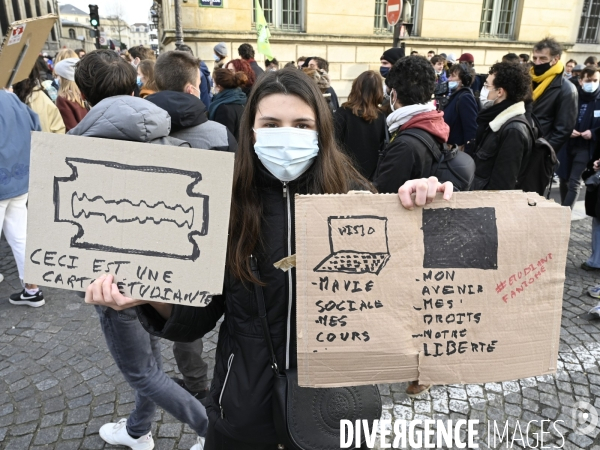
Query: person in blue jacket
{"points": [[461, 111], [17, 122]]}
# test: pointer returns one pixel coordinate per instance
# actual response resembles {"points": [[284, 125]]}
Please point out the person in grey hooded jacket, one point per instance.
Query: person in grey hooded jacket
{"points": [[178, 80], [107, 82]]}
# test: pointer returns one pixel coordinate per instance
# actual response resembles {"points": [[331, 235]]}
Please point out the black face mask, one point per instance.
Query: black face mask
{"points": [[541, 69]]}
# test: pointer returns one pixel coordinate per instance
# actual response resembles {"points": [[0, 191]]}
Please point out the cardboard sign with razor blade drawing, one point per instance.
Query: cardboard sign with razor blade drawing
{"points": [[155, 217]]}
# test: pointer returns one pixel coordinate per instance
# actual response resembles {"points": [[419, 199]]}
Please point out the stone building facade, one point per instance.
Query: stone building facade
{"points": [[352, 34]]}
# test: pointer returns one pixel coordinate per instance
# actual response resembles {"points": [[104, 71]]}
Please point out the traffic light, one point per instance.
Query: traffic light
{"points": [[94, 17]]}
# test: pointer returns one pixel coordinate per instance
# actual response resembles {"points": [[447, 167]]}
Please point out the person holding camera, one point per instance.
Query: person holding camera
{"points": [[461, 111]]}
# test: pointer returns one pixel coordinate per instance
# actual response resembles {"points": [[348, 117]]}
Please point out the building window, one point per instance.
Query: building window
{"points": [[381, 23], [16, 9], [72, 34], [590, 21], [285, 15], [498, 18], [28, 12]]}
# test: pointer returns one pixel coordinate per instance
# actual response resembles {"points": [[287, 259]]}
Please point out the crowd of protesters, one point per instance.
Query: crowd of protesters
{"points": [[417, 118]]}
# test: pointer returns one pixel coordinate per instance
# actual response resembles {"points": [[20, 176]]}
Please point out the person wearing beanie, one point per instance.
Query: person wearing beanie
{"points": [[389, 58], [575, 74], [220, 55], [478, 80], [69, 102]]}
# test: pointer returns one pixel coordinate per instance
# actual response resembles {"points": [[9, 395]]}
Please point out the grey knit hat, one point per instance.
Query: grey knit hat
{"points": [[66, 68], [221, 49]]}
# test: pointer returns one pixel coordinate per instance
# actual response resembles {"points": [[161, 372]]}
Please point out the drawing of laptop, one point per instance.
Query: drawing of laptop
{"points": [[358, 244]]}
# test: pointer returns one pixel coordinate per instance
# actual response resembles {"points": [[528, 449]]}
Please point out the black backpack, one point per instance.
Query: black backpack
{"points": [[539, 169], [454, 166]]}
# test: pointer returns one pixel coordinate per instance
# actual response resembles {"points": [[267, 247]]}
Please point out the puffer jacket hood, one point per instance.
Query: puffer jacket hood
{"points": [[185, 110], [125, 118]]}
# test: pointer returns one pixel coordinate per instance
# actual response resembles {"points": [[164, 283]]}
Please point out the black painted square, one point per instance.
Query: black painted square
{"points": [[460, 238]]}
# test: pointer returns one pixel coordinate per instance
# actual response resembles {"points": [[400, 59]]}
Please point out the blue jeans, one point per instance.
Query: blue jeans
{"points": [[594, 260], [137, 355]]}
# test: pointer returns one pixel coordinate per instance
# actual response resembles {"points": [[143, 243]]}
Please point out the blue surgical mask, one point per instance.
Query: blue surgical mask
{"points": [[452, 85], [139, 81], [216, 58], [590, 86], [286, 152], [384, 71]]}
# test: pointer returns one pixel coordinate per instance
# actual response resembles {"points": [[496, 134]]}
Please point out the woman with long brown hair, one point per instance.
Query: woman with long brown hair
{"points": [[31, 92], [145, 78], [360, 124], [286, 147]]}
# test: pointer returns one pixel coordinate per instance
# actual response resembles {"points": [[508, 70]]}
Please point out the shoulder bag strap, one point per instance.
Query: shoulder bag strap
{"points": [[262, 313], [438, 156]]}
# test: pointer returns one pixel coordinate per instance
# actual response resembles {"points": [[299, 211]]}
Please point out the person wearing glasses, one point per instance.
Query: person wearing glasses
{"points": [[504, 139]]}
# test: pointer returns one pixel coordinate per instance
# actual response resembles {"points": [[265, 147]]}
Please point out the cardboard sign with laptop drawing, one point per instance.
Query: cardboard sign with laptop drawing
{"points": [[465, 291]]}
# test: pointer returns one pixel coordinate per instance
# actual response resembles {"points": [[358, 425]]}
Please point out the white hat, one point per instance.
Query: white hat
{"points": [[66, 68], [451, 58]]}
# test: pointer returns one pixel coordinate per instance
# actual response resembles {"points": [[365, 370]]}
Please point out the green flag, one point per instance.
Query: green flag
{"points": [[263, 33]]}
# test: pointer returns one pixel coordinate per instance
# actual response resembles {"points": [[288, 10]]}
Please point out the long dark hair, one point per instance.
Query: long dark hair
{"points": [[23, 89], [331, 173], [366, 96]]}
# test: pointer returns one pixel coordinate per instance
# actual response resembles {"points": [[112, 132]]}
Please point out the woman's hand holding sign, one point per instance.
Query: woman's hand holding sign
{"points": [[425, 190], [104, 292]]}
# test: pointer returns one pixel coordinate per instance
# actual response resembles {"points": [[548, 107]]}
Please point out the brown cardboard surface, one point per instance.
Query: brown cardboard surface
{"points": [[483, 273], [31, 33], [154, 216]]}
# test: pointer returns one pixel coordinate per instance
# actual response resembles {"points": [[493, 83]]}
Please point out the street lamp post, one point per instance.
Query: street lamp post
{"points": [[178, 25]]}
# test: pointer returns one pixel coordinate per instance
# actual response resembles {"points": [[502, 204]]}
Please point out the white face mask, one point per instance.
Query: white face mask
{"points": [[483, 98], [590, 86], [286, 152]]}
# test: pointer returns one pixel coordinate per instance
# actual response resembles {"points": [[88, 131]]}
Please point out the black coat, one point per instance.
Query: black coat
{"points": [[230, 115], [592, 196], [405, 158], [258, 71], [556, 111], [461, 116], [360, 139], [502, 156], [243, 378]]}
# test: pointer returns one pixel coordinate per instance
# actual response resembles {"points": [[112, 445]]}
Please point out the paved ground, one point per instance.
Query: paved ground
{"points": [[58, 383]]}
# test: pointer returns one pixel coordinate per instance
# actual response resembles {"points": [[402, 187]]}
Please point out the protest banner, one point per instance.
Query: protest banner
{"points": [[465, 291], [156, 217], [21, 46]]}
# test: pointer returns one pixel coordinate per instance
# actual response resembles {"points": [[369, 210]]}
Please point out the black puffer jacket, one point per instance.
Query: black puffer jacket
{"points": [[556, 111], [240, 393]]}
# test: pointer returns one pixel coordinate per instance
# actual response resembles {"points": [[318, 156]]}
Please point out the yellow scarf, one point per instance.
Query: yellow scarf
{"points": [[545, 79]]}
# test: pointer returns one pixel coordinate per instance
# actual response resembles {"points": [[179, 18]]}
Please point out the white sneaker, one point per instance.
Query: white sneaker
{"points": [[116, 434], [595, 310], [199, 445], [594, 291]]}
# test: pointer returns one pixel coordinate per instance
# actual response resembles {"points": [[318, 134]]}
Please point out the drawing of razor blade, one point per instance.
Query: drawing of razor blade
{"points": [[144, 210]]}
